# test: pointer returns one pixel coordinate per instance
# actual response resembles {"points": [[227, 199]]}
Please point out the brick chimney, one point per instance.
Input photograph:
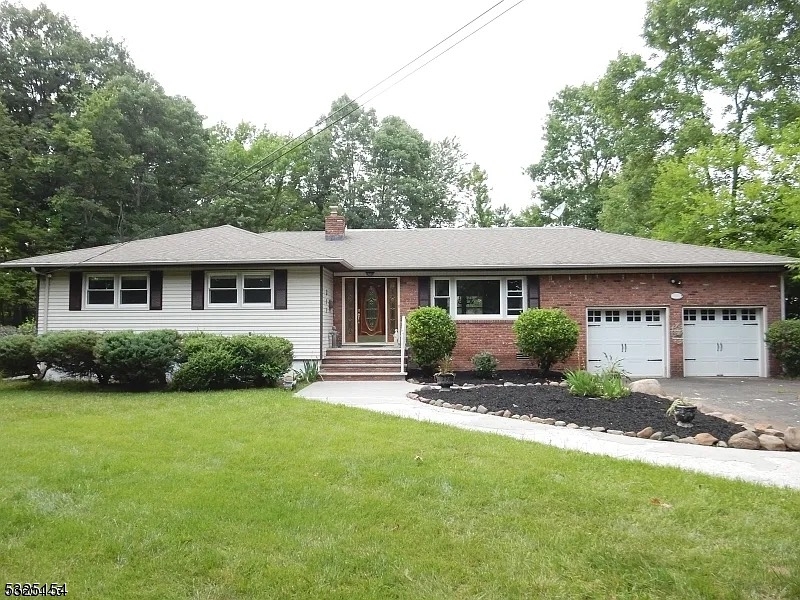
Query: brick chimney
{"points": [[334, 225]]}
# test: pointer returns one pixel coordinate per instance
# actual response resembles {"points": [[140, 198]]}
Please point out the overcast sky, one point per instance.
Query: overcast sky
{"points": [[280, 64]]}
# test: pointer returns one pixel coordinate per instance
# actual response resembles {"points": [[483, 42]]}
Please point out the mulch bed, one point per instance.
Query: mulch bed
{"points": [[518, 376], [632, 413]]}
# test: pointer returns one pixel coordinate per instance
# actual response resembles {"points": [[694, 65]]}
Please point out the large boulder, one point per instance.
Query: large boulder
{"points": [[647, 386], [791, 437], [745, 439], [771, 442]]}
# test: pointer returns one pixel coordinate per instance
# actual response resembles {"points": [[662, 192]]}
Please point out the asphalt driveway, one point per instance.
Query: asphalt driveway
{"points": [[755, 399]]}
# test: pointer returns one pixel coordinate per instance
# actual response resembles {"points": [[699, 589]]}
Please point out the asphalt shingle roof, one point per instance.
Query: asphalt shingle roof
{"points": [[411, 249]]}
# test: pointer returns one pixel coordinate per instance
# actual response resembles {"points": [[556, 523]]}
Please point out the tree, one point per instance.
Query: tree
{"points": [[130, 159]]}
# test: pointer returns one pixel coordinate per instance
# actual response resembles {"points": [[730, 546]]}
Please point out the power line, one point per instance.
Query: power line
{"points": [[257, 166]]}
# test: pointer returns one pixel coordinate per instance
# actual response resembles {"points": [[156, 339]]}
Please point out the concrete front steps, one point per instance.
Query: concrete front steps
{"points": [[362, 363]]}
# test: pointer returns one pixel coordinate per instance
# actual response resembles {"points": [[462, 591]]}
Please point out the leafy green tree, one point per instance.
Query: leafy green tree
{"points": [[478, 210], [128, 159]]}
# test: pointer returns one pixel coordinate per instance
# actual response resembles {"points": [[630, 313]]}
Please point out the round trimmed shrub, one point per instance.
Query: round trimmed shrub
{"points": [[138, 360], [485, 365], [547, 335], [783, 340], [71, 352], [16, 355], [212, 368], [431, 335]]}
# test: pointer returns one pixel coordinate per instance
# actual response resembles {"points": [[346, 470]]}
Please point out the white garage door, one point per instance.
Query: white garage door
{"points": [[721, 341], [633, 336]]}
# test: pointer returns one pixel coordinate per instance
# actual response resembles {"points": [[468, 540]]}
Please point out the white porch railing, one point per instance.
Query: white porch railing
{"points": [[403, 344]]}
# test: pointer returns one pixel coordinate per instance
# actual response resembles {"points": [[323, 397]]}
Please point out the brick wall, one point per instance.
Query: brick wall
{"points": [[574, 293]]}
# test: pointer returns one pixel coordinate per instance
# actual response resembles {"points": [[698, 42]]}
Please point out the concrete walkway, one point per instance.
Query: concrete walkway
{"points": [[770, 468]]}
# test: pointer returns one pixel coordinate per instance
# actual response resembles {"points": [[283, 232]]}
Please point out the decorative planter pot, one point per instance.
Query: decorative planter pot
{"points": [[684, 415], [445, 380]]}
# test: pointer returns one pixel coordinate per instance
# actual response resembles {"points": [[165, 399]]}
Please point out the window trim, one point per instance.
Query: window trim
{"points": [[503, 279], [117, 291], [240, 275]]}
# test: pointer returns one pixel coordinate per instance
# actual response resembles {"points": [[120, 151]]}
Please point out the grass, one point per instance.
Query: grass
{"points": [[259, 494]]}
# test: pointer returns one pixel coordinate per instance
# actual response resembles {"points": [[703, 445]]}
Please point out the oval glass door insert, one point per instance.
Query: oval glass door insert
{"points": [[371, 306]]}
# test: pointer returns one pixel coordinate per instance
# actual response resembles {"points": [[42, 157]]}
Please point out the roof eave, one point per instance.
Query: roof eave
{"points": [[109, 265]]}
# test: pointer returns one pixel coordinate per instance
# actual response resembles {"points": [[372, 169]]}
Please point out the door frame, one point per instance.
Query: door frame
{"points": [[386, 308]]}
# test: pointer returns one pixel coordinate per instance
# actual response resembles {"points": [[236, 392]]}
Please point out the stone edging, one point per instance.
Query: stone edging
{"points": [[755, 437]]}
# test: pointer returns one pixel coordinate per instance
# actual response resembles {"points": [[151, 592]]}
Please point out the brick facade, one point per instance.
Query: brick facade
{"points": [[575, 293]]}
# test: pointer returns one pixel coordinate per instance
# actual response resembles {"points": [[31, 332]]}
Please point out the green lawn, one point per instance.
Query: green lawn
{"points": [[258, 494]]}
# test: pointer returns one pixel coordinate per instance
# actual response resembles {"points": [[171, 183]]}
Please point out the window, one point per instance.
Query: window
{"points": [[748, 314], [478, 296], [131, 289], [728, 314], [514, 297], [707, 314], [441, 293], [237, 289], [652, 316], [689, 314], [634, 315], [612, 315], [475, 297], [100, 289], [595, 316]]}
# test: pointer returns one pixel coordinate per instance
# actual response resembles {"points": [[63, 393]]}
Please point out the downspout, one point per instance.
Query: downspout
{"points": [[46, 307], [783, 296]]}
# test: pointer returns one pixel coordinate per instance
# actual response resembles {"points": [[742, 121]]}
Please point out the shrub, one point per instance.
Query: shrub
{"points": [[16, 355], [783, 340], [547, 335], [28, 327], [431, 335], [71, 352], [211, 368], [242, 361], [485, 365], [138, 360]]}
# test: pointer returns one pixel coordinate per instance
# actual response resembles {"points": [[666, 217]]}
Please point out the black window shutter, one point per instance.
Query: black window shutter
{"points": [[75, 290], [424, 291], [280, 289], [533, 291], [156, 289], [198, 291]]}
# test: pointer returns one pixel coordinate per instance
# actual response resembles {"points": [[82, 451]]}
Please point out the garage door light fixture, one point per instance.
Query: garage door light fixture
{"points": [[676, 281]]}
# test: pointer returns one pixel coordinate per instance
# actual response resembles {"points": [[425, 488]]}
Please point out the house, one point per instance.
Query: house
{"points": [[660, 308]]}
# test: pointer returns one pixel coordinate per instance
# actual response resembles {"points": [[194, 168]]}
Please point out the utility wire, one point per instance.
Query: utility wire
{"points": [[301, 139]]}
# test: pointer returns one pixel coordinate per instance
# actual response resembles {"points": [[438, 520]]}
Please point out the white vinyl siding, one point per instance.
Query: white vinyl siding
{"points": [[299, 324]]}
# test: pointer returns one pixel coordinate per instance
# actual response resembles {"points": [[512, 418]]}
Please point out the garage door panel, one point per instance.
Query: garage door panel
{"points": [[722, 342], [633, 339]]}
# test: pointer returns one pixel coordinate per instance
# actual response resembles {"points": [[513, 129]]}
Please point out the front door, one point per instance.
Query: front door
{"points": [[371, 313]]}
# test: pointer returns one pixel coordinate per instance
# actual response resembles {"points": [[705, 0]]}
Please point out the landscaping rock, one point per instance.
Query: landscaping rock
{"points": [[705, 439], [791, 438], [586, 428], [563, 384], [745, 439], [549, 421], [515, 417], [646, 433], [671, 438], [721, 444], [458, 406], [647, 386], [614, 431], [524, 418], [482, 409], [657, 436], [598, 428], [771, 442], [468, 408], [775, 432], [560, 423], [506, 413], [573, 426], [412, 395], [762, 427], [630, 433], [439, 403], [447, 405], [687, 440]]}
